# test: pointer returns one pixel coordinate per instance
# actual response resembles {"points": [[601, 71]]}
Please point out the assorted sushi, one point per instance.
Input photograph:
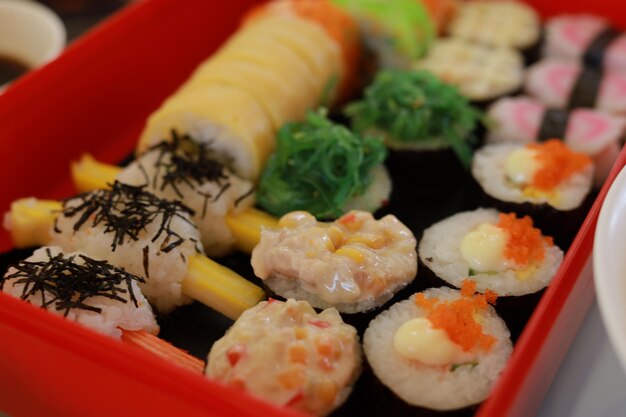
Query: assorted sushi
{"points": [[354, 264], [288, 354], [442, 349], [523, 120], [268, 121], [565, 84]]}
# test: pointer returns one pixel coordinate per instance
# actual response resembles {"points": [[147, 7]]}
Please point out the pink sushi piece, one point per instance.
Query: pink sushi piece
{"points": [[551, 81], [569, 37], [592, 132]]}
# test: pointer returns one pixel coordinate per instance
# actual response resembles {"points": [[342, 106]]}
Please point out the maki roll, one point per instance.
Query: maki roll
{"points": [[497, 23], [91, 292], [396, 32], [416, 113], [563, 84], [286, 58], [481, 73], [497, 251], [353, 264], [523, 120], [586, 38], [182, 169], [441, 349], [287, 354], [324, 168], [545, 180]]}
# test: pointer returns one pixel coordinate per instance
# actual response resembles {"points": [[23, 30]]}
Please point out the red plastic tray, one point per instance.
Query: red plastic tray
{"points": [[95, 98]]}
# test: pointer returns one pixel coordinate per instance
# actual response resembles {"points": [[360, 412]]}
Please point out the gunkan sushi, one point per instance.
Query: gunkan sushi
{"points": [[287, 354], [353, 264]]}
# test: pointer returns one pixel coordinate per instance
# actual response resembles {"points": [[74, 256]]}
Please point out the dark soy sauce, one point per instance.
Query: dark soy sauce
{"points": [[10, 69]]}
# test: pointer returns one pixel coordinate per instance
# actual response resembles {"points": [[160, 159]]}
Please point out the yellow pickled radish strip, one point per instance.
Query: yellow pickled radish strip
{"points": [[246, 227], [165, 350], [30, 221], [89, 174], [219, 287]]}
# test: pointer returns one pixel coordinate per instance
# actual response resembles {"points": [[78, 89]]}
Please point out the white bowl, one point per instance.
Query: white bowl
{"points": [[30, 32], [609, 264]]}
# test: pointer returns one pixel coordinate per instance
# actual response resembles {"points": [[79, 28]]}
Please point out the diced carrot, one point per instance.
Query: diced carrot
{"points": [[326, 391], [301, 333], [558, 163], [293, 377], [298, 353], [163, 349]]}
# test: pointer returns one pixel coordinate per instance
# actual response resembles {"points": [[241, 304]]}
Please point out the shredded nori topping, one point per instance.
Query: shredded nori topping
{"points": [[182, 160], [125, 211], [65, 283]]}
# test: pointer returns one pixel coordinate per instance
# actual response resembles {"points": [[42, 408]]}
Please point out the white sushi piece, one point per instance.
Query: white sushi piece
{"points": [[490, 169], [353, 264], [496, 23], [134, 230], [595, 133], [437, 387], [441, 251], [377, 194], [287, 354], [552, 81], [49, 276], [570, 36], [480, 72], [181, 170]]}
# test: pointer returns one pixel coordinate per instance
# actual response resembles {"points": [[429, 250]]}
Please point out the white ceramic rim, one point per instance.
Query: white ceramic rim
{"points": [[611, 302], [58, 33]]}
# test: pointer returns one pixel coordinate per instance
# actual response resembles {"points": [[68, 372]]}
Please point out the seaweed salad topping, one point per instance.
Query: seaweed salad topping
{"points": [[67, 282], [125, 211], [318, 166], [415, 107]]}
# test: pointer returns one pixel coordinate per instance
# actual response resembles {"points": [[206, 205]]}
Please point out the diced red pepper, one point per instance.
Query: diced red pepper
{"points": [[234, 353], [319, 323], [298, 396]]}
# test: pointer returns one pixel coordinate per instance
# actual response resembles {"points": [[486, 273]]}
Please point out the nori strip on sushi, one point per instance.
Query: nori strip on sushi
{"points": [[594, 55], [586, 89], [553, 125]]}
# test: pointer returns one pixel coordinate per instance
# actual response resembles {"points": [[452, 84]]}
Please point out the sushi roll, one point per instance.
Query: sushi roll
{"points": [[396, 32], [442, 121], [286, 58], [523, 120], [565, 84], [497, 251], [182, 169], [91, 292], [585, 38], [287, 354], [354, 264], [133, 229], [497, 23], [481, 73], [442, 349], [324, 168], [546, 180]]}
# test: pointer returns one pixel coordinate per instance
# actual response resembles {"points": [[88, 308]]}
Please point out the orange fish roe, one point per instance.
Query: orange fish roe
{"points": [[557, 162], [525, 244], [457, 317]]}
